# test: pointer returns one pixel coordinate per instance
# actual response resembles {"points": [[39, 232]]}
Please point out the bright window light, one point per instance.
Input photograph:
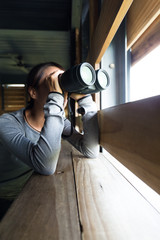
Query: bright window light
{"points": [[145, 76], [148, 193], [15, 85]]}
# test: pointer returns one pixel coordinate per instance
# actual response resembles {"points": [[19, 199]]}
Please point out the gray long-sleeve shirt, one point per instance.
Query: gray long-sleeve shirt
{"points": [[24, 150]]}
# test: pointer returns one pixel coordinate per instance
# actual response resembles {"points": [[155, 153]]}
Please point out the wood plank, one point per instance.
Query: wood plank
{"points": [[111, 16], [13, 108], [46, 208], [14, 101], [13, 92], [149, 40], [131, 133], [140, 16], [77, 47], [93, 19], [14, 88], [110, 207], [15, 97]]}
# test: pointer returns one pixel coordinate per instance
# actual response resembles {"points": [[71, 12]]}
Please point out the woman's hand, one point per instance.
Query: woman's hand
{"points": [[52, 82]]}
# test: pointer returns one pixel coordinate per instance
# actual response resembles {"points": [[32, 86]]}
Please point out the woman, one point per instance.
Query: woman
{"points": [[30, 139]]}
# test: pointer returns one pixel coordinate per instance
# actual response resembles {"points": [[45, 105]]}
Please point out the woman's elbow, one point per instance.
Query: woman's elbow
{"points": [[92, 153], [46, 166], [47, 171]]}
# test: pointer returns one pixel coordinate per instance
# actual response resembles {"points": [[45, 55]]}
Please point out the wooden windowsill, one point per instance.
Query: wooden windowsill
{"points": [[84, 199]]}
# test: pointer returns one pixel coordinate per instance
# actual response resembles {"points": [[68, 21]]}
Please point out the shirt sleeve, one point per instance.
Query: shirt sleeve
{"points": [[88, 142], [42, 156]]}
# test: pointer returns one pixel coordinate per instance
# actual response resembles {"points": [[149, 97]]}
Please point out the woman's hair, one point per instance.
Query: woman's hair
{"points": [[36, 74]]}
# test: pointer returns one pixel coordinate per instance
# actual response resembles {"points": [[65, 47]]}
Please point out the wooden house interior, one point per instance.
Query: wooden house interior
{"points": [[87, 198]]}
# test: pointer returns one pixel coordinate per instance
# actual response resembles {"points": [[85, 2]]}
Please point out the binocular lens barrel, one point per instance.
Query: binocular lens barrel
{"points": [[84, 79], [77, 77], [102, 79], [86, 75]]}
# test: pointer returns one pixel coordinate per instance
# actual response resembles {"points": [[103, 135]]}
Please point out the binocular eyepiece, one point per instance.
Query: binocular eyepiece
{"points": [[82, 78]]}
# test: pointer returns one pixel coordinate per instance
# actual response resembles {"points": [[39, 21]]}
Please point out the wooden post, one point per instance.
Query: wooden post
{"points": [[111, 16]]}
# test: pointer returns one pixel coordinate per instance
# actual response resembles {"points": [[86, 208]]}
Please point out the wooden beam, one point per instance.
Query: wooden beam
{"points": [[77, 47], [140, 16], [109, 206], [131, 133], [93, 19], [149, 40], [111, 16]]}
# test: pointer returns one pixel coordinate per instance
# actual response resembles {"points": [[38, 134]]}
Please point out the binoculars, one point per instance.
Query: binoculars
{"points": [[82, 78]]}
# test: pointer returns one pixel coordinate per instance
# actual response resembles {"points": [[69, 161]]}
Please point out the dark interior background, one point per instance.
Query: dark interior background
{"points": [[36, 31]]}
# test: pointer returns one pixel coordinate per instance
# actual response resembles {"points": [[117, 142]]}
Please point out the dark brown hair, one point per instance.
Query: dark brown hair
{"points": [[36, 74]]}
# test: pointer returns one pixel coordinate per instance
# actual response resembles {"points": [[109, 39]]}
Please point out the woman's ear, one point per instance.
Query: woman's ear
{"points": [[32, 92]]}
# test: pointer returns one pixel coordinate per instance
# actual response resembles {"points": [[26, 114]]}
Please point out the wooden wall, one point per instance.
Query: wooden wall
{"points": [[131, 133], [14, 98]]}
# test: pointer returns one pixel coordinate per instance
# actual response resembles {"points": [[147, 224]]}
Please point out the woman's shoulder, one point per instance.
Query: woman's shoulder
{"points": [[16, 116]]}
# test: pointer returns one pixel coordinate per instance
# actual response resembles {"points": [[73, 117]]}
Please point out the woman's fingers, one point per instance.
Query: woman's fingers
{"points": [[52, 82]]}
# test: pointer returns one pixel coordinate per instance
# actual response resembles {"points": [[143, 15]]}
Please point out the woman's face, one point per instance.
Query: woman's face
{"points": [[42, 91]]}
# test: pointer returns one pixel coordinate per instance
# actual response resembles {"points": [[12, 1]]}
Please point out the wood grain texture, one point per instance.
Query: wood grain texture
{"points": [[149, 40], [111, 16], [14, 98], [140, 16], [47, 207], [131, 133], [110, 207]]}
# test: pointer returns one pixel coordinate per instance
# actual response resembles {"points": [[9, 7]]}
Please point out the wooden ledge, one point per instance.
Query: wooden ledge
{"points": [[109, 206], [46, 208], [85, 199]]}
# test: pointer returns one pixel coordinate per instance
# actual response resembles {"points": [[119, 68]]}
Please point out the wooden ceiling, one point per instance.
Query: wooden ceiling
{"points": [[31, 32]]}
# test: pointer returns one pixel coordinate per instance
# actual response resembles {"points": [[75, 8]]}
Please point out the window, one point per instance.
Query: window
{"points": [[13, 97], [145, 77], [144, 83]]}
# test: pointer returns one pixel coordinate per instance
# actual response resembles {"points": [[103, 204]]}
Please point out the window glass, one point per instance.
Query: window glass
{"points": [[145, 77]]}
